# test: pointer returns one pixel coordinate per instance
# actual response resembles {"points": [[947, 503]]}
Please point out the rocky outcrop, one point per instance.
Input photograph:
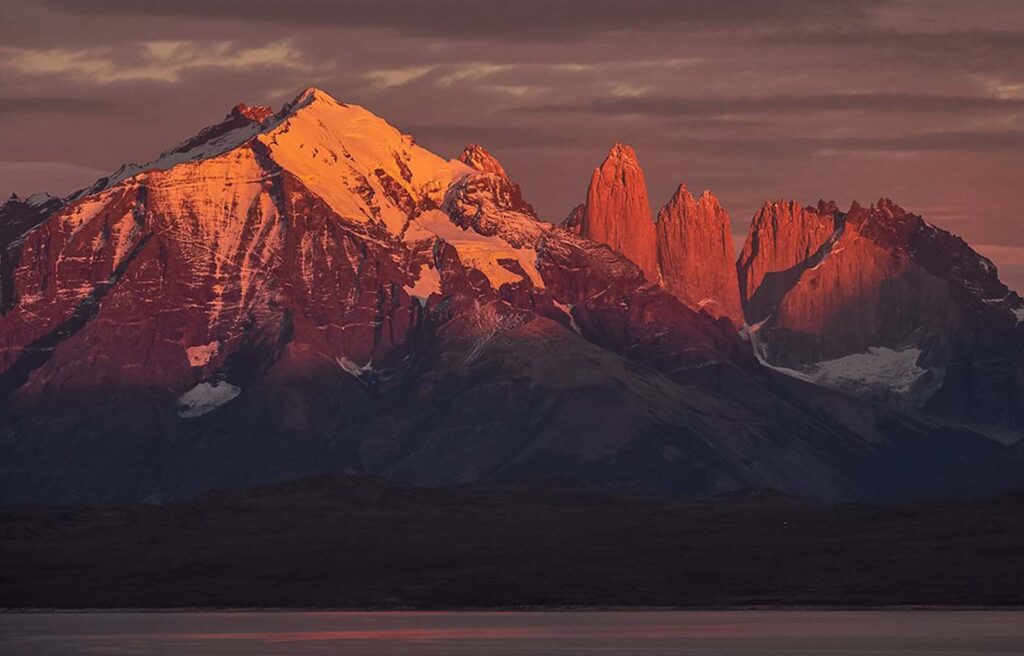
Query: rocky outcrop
{"points": [[849, 296], [785, 239], [574, 221], [476, 157], [618, 212], [695, 254], [688, 249]]}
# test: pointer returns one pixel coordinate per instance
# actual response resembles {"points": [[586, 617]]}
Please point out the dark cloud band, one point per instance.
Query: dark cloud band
{"points": [[53, 106], [521, 19], [717, 106]]}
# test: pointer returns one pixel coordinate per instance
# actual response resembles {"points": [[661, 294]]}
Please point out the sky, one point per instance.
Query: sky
{"points": [[918, 101]]}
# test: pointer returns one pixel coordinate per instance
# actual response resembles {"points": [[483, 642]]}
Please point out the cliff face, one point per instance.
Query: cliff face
{"points": [[785, 239], [688, 249], [695, 254], [830, 284], [878, 299], [618, 212]]}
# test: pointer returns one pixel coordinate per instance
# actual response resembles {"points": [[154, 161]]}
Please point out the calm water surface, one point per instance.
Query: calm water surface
{"points": [[747, 633]]}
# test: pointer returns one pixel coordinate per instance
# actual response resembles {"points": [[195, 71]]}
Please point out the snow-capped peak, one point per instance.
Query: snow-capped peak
{"points": [[40, 199], [359, 164], [310, 95], [477, 157]]}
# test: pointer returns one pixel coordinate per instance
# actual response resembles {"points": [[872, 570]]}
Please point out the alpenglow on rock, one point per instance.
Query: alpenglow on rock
{"points": [[618, 212], [688, 249], [309, 291], [695, 254], [828, 291]]}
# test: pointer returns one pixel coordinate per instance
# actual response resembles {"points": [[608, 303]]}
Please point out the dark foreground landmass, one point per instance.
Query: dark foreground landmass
{"points": [[356, 542]]}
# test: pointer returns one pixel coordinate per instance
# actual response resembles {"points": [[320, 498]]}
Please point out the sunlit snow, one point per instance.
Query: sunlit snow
{"points": [[427, 283], [336, 149], [478, 251], [352, 368], [199, 356]]}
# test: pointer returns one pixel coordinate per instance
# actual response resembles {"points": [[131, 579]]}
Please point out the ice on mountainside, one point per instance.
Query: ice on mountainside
{"points": [[205, 398]]}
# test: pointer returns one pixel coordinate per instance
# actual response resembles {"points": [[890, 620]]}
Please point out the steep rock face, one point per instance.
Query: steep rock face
{"points": [[489, 198], [618, 212], [477, 158], [573, 222], [688, 249], [865, 291], [885, 286], [695, 254], [784, 240]]}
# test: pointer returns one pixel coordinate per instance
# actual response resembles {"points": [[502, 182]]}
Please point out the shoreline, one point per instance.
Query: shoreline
{"points": [[520, 609]]}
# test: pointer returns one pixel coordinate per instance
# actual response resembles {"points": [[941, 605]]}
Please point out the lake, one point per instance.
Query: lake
{"points": [[651, 633]]}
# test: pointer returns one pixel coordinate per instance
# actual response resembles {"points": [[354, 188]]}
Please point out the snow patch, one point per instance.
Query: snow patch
{"points": [[337, 150], [565, 307], [80, 214], [168, 160], [37, 200], [352, 368], [480, 252], [205, 398], [877, 368], [428, 281], [200, 356]]}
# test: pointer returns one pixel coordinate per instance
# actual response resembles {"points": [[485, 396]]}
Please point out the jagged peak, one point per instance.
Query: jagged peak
{"points": [[309, 96], [40, 198], [620, 167], [255, 113], [682, 198], [682, 192], [774, 207], [476, 157], [709, 200], [827, 207], [890, 209], [620, 154]]}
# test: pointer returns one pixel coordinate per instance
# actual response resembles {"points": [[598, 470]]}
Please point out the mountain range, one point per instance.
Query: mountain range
{"points": [[309, 291]]}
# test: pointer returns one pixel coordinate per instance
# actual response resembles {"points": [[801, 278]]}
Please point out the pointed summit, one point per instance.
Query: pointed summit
{"points": [[255, 113], [618, 212], [695, 253], [308, 96], [477, 157]]}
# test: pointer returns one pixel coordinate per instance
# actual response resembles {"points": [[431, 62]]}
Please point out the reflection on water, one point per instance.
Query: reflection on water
{"points": [[651, 633]]}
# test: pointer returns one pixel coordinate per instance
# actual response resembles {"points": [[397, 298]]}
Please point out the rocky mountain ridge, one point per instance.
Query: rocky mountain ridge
{"points": [[310, 291]]}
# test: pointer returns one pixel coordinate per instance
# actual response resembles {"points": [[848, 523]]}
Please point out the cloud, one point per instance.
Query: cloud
{"points": [[385, 78], [1011, 141], [948, 48], [521, 19], [9, 106], [669, 106], [159, 61]]}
